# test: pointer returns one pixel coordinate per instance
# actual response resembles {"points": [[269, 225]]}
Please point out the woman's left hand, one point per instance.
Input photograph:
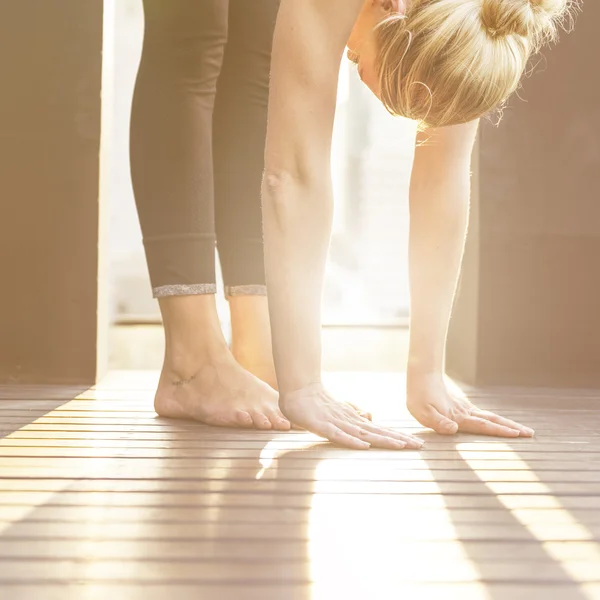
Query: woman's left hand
{"points": [[431, 403]]}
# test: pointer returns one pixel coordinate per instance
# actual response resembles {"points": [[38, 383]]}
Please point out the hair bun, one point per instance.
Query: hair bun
{"points": [[535, 19]]}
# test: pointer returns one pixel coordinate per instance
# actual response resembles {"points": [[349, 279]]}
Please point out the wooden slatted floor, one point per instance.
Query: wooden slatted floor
{"points": [[99, 498]]}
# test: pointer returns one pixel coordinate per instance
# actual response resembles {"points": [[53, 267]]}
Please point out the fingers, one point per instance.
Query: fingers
{"points": [[355, 434], [494, 418], [364, 414], [337, 436], [458, 413], [438, 422], [341, 423], [408, 440], [374, 439], [478, 425], [479, 422]]}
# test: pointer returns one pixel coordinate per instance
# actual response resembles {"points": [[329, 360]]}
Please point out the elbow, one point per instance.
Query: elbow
{"points": [[287, 195], [279, 198], [276, 181]]}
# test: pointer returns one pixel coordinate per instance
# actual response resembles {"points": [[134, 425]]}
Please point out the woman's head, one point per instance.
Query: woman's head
{"points": [[443, 62]]}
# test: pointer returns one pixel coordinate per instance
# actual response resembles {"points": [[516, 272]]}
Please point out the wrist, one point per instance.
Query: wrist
{"points": [[312, 388], [417, 372], [417, 365]]}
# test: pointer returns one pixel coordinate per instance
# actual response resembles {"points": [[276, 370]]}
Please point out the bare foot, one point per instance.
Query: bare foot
{"points": [[262, 369], [201, 379], [219, 392]]}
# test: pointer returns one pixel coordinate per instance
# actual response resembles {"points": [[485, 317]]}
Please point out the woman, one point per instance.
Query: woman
{"points": [[198, 130], [444, 63]]}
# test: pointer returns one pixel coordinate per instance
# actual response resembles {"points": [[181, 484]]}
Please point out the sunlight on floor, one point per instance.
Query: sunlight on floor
{"points": [[551, 524], [30, 500], [364, 546], [277, 448]]}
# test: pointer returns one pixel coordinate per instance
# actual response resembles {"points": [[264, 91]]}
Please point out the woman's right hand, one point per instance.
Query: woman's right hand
{"points": [[314, 409]]}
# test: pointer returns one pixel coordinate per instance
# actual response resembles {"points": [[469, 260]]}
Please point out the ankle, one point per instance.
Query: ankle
{"points": [[185, 352], [192, 328], [250, 352], [250, 324]]}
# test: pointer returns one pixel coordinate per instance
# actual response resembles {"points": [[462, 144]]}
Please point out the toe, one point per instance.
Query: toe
{"points": [[243, 419], [261, 421], [278, 421]]}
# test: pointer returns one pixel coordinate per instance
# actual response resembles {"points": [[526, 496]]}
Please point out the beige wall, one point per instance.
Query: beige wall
{"points": [[49, 189], [527, 313]]}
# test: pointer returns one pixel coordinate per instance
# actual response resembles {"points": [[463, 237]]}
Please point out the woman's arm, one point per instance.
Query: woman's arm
{"points": [[439, 201], [439, 205], [309, 42], [310, 38]]}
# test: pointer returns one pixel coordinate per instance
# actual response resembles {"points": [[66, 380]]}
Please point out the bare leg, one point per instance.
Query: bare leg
{"points": [[240, 123], [201, 380], [251, 336], [251, 339]]}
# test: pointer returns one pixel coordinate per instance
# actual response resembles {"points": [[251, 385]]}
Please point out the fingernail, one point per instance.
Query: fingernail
{"points": [[399, 444], [528, 431]]}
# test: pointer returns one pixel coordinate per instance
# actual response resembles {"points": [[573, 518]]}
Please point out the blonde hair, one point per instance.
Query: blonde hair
{"points": [[452, 61]]}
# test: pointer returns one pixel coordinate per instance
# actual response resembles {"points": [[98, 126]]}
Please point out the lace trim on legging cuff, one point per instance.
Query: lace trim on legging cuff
{"points": [[184, 290], [245, 290]]}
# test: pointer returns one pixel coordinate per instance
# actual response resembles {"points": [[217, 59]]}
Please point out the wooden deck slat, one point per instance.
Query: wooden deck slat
{"points": [[388, 474], [309, 457], [281, 487], [285, 550], [251, 515], [472, 591], [147, 468], [66, 497], [32, 432], [583, 443], [575, 443], [233, 449], [12, 480], [261, 531], [407, 571]]}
